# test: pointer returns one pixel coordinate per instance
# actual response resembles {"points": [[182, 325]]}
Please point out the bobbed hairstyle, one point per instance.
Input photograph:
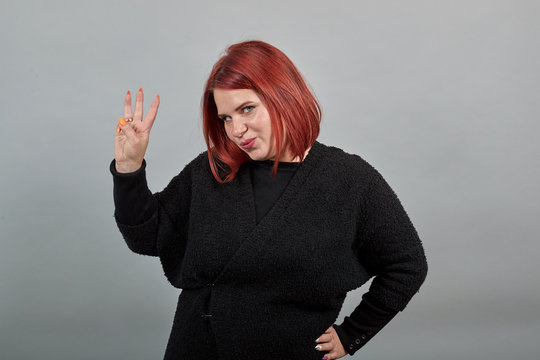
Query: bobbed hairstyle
{"points": [[295, 114]]}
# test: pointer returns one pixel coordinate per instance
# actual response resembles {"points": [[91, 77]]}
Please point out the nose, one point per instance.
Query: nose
{"points": [[239, 127]]}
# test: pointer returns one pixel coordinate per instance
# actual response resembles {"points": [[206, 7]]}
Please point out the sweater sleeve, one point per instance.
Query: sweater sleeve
{"points": [[363, 323], [142, 217], [133, 200], [390, 249]]}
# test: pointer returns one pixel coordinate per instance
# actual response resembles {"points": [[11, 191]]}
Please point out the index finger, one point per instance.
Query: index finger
{"points": [[151, 114]]}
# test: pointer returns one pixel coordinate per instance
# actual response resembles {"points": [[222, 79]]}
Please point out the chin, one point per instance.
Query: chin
{"points": [[257, 157]]}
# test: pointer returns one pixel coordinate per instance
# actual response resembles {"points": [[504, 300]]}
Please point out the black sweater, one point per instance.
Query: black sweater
{"points": [[136, 205]]}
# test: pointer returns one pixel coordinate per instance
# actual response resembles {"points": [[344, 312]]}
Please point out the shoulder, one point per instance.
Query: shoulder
{"points": [[199, 160], [188, 170], [200, 170], [350, 166]]}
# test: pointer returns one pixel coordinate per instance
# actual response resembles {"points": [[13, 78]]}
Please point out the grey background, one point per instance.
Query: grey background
{"points": [[441, 97]]}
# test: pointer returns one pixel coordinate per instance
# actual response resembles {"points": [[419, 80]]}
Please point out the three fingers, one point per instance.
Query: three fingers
{"points": [[135, 120]]}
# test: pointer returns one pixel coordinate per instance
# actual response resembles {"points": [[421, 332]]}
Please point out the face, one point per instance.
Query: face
{"points": [[246, 121]]}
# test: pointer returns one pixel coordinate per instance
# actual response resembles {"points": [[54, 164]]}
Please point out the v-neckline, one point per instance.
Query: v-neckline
{"points": [[246, 210], [253, 236]]}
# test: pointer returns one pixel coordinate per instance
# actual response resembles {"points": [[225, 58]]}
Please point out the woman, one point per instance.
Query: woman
{"points": [[267, 230]]}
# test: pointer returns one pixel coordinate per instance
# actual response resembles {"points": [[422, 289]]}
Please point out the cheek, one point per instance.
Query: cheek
{"points": [[227, 131], [265, 125]]}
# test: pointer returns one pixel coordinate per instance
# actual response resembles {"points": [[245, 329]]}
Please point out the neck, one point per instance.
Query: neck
{"points": [[288, 158]]}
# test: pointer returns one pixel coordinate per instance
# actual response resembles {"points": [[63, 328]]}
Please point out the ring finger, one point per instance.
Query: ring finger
{"points": [[127, 106]]}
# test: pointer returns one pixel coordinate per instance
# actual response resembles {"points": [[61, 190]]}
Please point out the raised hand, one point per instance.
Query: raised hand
{"points": [[132, 133]]}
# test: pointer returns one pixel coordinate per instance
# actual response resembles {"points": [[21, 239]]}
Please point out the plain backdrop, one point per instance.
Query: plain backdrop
{"points": [[442, 97]]}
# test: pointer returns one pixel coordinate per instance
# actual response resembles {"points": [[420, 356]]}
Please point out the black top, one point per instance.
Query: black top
{"points": [[133, 206], [266, 188], [269, 289]]}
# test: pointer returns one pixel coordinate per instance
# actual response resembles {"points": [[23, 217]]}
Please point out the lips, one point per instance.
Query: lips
{"points": [[248, 143]]}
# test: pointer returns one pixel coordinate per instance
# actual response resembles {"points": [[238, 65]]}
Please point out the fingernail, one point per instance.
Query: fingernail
{"points": [[317, 340], [122, 121], [118, 129], [318, 347], [158, 97], [140, 89], [324, 358], [128, 93]]}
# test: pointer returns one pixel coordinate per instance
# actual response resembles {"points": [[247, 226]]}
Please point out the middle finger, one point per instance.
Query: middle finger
{"points": [[324, 338], [137, 117]]}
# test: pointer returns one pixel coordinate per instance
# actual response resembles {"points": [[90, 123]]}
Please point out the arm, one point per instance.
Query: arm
{"points": [[363, 323], [135, 210], [143, 217], [390, 249], [132, 199]]}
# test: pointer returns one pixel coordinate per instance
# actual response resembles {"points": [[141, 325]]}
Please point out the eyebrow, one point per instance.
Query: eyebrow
{"points": [[238, 107]]}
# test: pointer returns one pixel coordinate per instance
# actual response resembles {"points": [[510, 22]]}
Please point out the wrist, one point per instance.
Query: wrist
{"points": [[130, 167]]}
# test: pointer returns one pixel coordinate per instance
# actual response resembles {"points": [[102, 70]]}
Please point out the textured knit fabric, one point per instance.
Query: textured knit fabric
{"points": [[269, 289], [132, 205], [133, 200]]}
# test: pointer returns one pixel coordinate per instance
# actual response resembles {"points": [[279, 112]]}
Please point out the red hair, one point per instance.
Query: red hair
{"points": [[294, 112]]}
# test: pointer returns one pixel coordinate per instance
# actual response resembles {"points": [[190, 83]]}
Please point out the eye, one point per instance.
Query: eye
{"points": [[225, 118], [247, 109]]}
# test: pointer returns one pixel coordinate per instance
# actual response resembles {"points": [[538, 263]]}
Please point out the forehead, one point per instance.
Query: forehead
{"points": [[227, 100]]}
